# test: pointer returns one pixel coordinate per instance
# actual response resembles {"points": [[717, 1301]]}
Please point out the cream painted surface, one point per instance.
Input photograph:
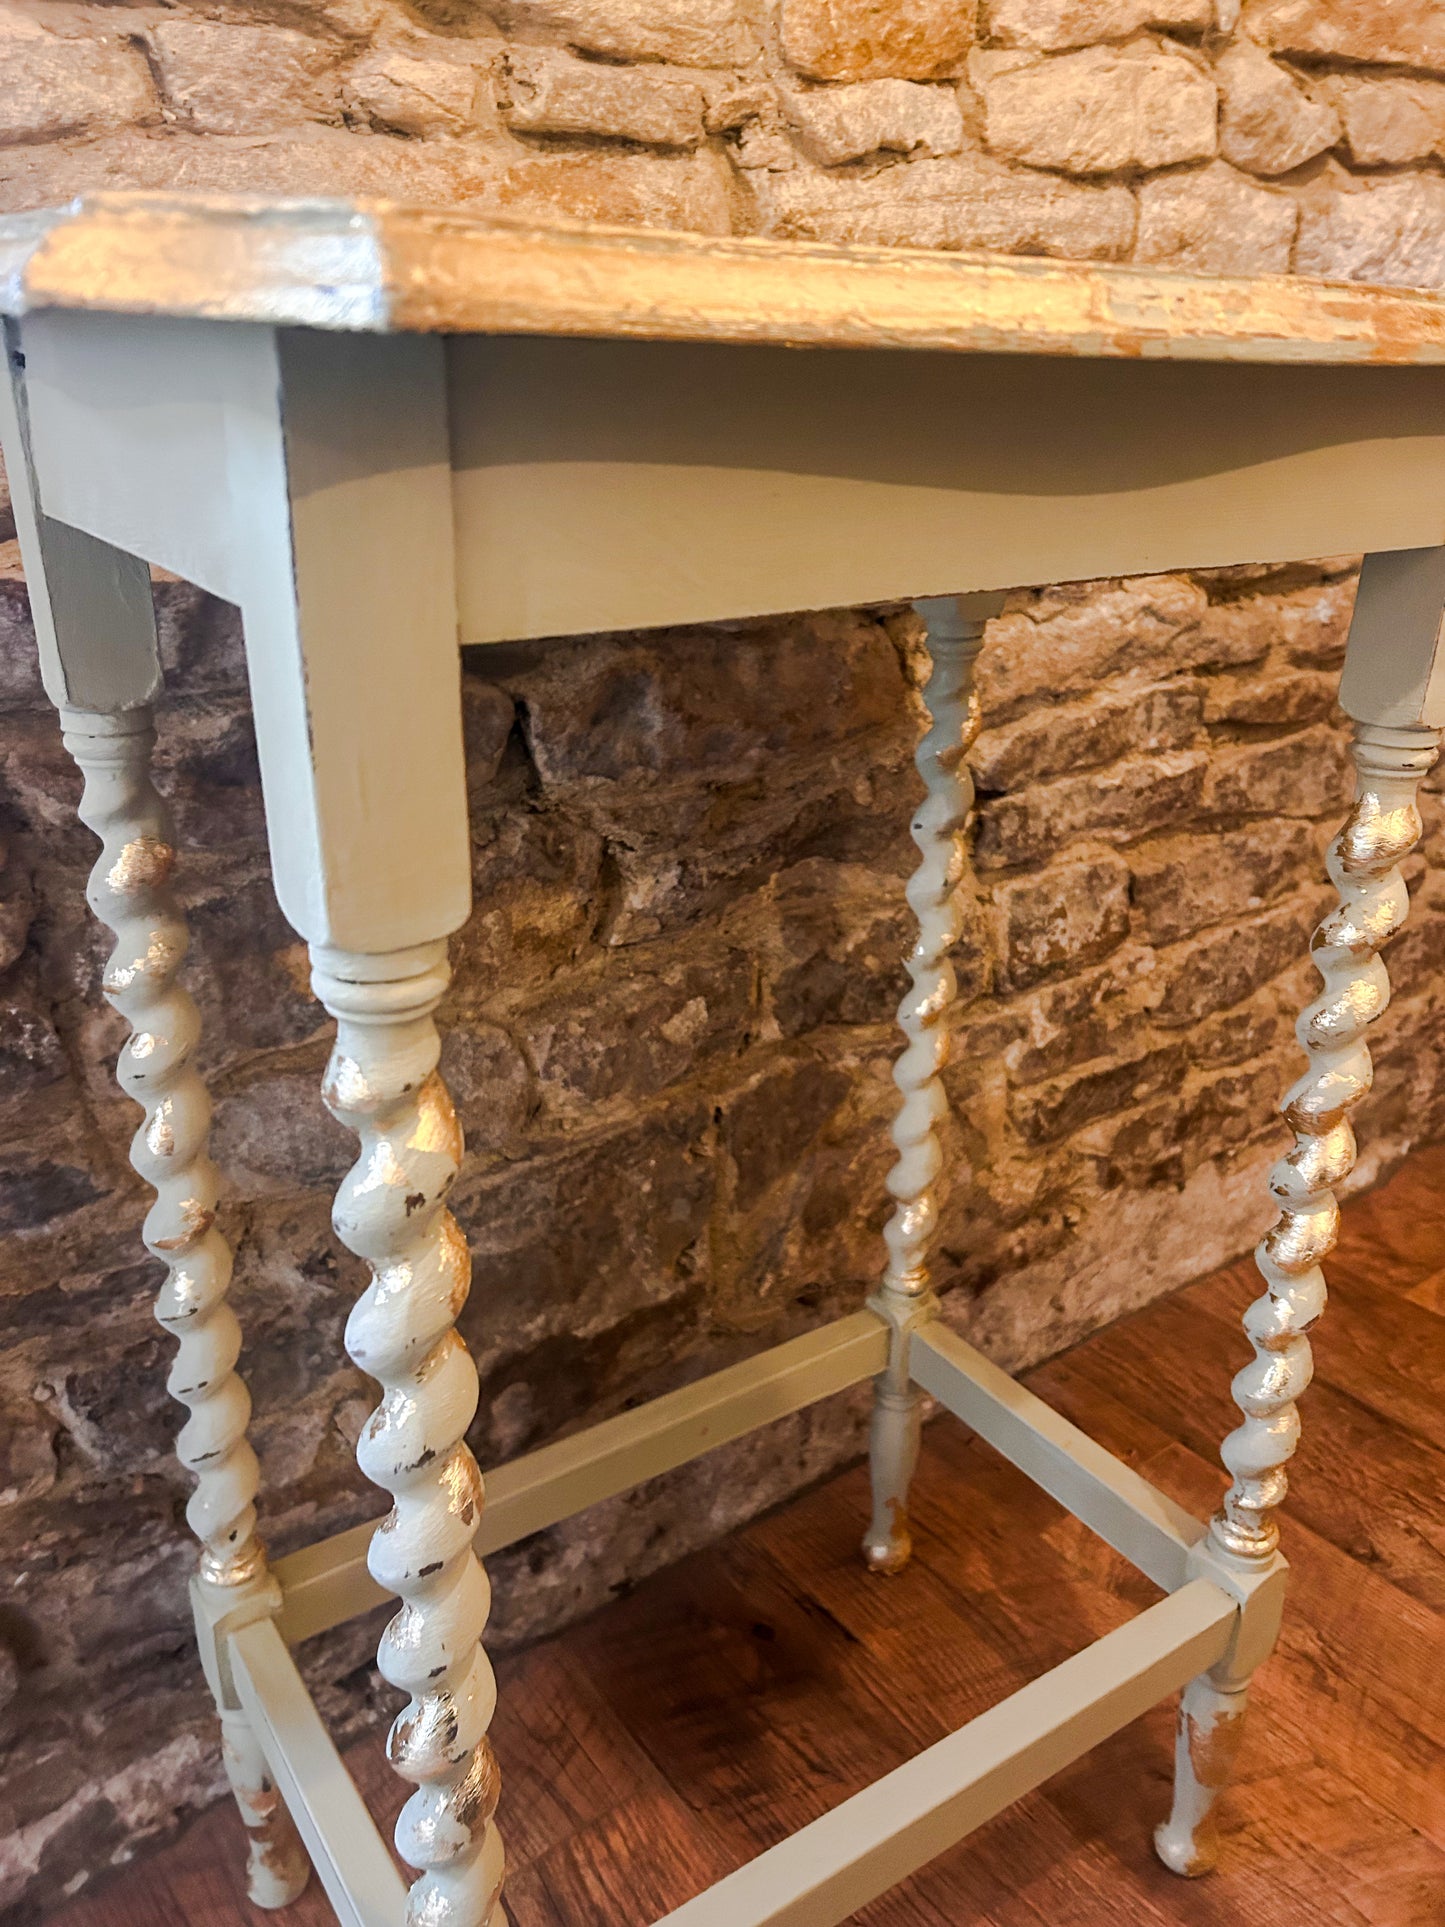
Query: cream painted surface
{"points": [[606, 485], [132, 424], [1395, 668], [91, 604], [306, 477]]}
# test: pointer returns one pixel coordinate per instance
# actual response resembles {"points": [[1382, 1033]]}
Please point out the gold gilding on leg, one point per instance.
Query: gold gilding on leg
{"points": [[129, 891], [1383, 827], [1364, 859], [391, 1210], [934, 895]]}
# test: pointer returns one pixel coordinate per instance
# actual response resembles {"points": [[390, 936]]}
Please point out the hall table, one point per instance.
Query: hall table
{"points": [[384, 434]]}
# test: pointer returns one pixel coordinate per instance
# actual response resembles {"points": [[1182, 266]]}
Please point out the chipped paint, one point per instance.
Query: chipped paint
{"points": [[1207, 1741]]}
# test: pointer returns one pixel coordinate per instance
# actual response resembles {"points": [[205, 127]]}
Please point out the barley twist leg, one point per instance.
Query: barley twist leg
{"points": [[1382, 829], [934, 895], [391, 1210], [130, 893]]}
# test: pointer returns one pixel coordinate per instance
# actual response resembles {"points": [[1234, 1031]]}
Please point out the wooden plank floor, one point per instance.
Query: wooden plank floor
{"points": [[667, 1739]]}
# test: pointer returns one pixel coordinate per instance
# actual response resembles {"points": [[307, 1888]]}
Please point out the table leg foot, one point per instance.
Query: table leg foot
{"points": [[276, 1865], [1211, 1724]]}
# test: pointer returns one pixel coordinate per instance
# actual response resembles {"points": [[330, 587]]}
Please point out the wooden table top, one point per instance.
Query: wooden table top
{"points": [[379, 268]]}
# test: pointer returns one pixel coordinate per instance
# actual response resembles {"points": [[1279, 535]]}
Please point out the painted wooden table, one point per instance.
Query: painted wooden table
{"points": [[385, 435]]}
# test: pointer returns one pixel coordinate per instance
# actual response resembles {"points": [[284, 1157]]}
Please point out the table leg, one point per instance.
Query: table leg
{"points": [[99, 660], [1396, 742], [955, 628], [382, 1083], [130, 893], [349, 608]]}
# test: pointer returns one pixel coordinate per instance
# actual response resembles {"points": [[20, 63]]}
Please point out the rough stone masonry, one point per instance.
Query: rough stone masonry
{"points": [[670, 1032]]}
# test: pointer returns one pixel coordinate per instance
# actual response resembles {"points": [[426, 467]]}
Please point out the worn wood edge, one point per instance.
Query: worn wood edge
{"points": [[303, 263], [328, 1582], [359, 1875], [823, 1873], [377, 266]]}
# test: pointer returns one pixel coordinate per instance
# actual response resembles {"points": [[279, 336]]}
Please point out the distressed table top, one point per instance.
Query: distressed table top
{"points": [[379, 268]]}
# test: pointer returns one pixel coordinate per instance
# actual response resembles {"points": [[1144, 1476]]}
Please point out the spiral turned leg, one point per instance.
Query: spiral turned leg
{"points": [[391, 1210], [130, 893], [1364, 859], [934, 896]]}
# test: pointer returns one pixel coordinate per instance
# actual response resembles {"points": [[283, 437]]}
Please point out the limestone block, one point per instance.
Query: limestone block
{"points": [[1305, 774], [564, 1233], [1268, 122], [694, 33], [1228, 966], [1063, 642], [1185, 883], [267, 1136], [615, 1038], [1311, 624], [50, 87], [839, 124], [544, 91], [1054, 737], [758, 145], [1137, 796], [1096, 111], [1065, 1104], [492, 1087], [963, 202], [408, 93], [1214, 221], [31, 1055], [223, 79], [877, 39], [1391, 231], [1405, 33], [1284, 696], [17, 907], [1071, 914], [643, 190], [27, 1471], [1053, 25], [19, 669], [832, 945], [735, 99], [1093, 1013], [311, 159], [1391, 121], [1314, 623]]}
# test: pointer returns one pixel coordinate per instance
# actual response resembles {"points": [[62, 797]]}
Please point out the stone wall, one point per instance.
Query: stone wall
{"points": [[670, 1032], [1286, 133]]}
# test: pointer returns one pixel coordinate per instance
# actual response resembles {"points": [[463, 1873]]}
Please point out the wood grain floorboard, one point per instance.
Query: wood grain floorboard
{"points": [[663, 1742]]}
